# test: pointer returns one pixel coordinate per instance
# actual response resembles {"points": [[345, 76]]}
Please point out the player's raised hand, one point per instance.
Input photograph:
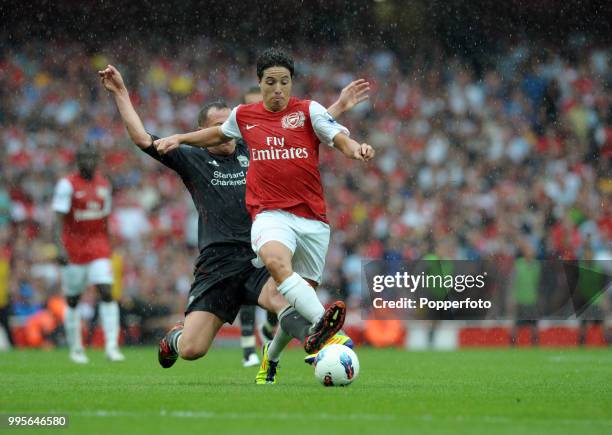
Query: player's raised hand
{"points": [[111, 79], [167, 144], [364, 153], [354, 93]]}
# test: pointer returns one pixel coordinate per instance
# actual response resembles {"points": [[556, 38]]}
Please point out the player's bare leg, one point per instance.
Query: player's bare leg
{"points": [[200, 330], [109, 316], [190, 340]]}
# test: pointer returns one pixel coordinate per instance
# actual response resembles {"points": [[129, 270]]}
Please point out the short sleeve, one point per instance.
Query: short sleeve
{"points": [[62, 196], [230, 127], [324, 125]]}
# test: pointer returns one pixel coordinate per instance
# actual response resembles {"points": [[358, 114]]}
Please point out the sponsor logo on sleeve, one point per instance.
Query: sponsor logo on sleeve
{"points": [[330, 118]]}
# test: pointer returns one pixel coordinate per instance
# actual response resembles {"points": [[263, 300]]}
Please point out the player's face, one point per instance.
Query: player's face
{"points": [[275, 88], [215, 118], [87, 162]]}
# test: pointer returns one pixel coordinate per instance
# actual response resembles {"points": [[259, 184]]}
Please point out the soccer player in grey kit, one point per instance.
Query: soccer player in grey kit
{"points": [[225, 277]]}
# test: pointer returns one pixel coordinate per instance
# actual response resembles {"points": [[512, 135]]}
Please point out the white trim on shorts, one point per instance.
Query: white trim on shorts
{"points": [[307, 239]]}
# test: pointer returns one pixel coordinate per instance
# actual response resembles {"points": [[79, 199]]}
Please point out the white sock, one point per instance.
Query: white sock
{"points": [[72, 326], [279, 342], [109, 315], [302, 297], [177, 342], [247, 341]]}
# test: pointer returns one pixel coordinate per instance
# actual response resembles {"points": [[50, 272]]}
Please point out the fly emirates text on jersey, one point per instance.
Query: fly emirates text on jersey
{"points": [[277, 151]]}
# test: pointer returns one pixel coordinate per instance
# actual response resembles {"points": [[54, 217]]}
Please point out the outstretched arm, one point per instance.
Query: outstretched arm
{"points": [[353, 94], [204, 138], [330, 132], [113, 82], [352, 149]]}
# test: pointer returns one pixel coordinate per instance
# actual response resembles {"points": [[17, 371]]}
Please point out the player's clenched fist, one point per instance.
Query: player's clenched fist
{"points": [[167, 144], [365, 152]]}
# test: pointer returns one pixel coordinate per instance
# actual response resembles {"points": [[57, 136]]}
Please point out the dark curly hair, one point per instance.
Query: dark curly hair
{"points": [[273, 57], [87, 149]]}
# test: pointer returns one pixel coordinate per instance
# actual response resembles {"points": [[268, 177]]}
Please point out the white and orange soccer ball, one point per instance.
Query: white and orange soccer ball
{"points": [[336, 365]]}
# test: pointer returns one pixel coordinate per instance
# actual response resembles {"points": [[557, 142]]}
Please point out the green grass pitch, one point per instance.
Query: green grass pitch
{"points": [[471, 392]]}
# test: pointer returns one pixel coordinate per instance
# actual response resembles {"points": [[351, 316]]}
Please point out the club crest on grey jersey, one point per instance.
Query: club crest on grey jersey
{"points": [[244, 161]]}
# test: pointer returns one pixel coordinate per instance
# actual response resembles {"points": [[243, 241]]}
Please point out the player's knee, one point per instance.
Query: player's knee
{"points": [[192, 350], [72, 301], [105, 293], [191, 353], [279, 268]]}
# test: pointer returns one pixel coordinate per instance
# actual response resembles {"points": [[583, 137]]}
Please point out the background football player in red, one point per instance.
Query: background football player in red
{"points": [[82, 204]]}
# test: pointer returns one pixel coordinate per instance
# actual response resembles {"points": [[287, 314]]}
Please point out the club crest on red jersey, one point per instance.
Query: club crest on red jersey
{"points": [[293, 120]]}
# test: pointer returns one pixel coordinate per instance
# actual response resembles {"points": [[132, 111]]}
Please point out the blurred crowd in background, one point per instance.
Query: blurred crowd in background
{"points": [[511, 159]]}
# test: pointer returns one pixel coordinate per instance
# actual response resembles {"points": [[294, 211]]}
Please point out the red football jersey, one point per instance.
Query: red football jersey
{"points": [[283, 170], [87, 205]]}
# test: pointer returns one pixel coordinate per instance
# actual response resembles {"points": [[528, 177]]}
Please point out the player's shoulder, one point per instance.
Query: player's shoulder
{"points": [[65, 186], [298, 103], [102, 179], [307, 106], [71, 179], [315, 107]]}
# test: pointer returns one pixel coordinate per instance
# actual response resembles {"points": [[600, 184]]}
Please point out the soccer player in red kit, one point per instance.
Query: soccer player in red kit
{"points": [[284, 194], [82, 204]]}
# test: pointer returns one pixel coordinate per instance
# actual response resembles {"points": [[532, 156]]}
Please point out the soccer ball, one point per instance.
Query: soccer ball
{"points": [[336, 365]]}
